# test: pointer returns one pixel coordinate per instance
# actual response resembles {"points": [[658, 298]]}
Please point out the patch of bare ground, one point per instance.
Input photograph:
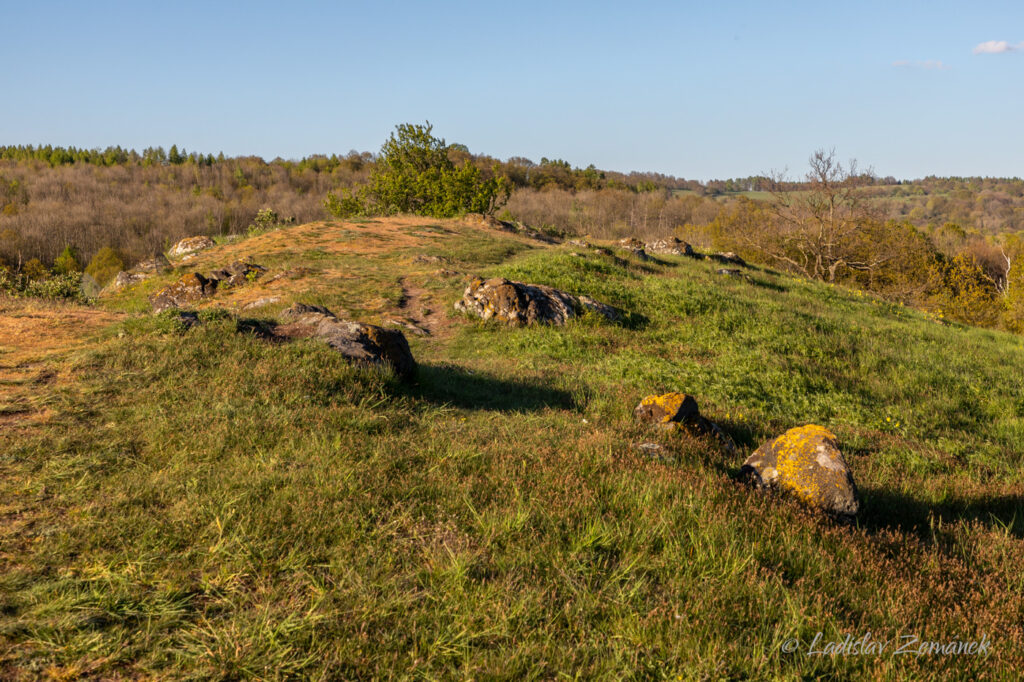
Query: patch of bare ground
{"points": [[35, 337]]}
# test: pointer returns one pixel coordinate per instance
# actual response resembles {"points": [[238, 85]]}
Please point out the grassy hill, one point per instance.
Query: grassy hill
{"points": [[206, 503]]}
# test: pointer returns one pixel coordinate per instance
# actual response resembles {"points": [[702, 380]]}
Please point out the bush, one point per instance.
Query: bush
{"points": [[68, 261], [104, 266], [35, 270], [414, 174], [67, 287]]}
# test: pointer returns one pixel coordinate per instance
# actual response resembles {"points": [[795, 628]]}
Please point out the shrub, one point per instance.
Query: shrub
{"points": [[68, 261], [104, 266], [35, 270], [414, 174]]}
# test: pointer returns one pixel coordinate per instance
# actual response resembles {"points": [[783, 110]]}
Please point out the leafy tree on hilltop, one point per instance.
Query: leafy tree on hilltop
{"points": [[414, 174]]}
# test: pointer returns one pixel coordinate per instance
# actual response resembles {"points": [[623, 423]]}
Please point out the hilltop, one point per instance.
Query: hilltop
{"points": [[206, 501]]}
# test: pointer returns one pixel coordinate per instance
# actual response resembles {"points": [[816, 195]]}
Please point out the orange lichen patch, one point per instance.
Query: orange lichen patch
{"points": [[799, 451], [668, 408]]}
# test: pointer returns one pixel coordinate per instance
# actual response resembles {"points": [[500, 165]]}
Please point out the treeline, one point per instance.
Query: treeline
{"points": [[951, 245]]}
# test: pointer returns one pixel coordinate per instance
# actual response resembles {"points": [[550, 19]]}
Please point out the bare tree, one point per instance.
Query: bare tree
{"points": [[819, 228]]}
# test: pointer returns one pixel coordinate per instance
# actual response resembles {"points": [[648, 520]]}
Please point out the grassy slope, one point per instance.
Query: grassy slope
{"points": [[203, 503]]}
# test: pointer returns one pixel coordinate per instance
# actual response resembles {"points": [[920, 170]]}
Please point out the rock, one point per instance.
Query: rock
{"points": [[520, 304], [728, 257], [126, 279], [189, 289], [640, 254], [652, 450], [667, 409], [581, 243], [669, 247], [679, 410], [191, 245], [806, 462], [260, 302], [731, 272], [425, 258], [237, 273], [157, 265], [631, 243], [358, 342]]}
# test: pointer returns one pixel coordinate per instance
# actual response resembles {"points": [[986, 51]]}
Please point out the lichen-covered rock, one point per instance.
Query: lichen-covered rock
{"points": [[728, 272], [631, 243], [189, 289], [670, 408], [191, 245], [356, 341], [679, 411], [669, 247], [520, 304], [806, 462]]}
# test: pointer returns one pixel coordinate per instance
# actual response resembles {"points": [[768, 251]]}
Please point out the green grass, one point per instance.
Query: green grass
{"points": [[206, 504]]}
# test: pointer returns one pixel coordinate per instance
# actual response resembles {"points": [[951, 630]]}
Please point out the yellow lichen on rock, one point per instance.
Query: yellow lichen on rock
{"points": [[806, 462]]}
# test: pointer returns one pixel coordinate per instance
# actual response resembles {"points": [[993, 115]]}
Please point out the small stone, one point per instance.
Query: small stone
{"points": [[729, 272]]}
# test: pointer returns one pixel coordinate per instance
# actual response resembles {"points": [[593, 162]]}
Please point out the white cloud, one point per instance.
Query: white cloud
{"points": [[997, 47]]}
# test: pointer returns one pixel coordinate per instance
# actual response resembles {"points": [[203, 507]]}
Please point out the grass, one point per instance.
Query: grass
{"points": [[204, 504]]}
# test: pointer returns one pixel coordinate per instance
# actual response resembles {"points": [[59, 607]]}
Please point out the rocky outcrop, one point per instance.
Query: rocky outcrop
{"points": [[190, 245], [150, 267], [631, 243], [194, 286], [189, 289], [669, 247], [518, 304], [237, 273], [356, 341], [806, 462], [672, 411]]}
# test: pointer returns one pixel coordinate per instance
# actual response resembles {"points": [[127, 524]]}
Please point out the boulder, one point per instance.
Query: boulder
{"points": [[669, 247], [640, 254], [189, 289], [679, 411], [191, 245], [126, 279], [520, 304], [357, 342], [668, 409], [728, 258], [237, 273], [729, 272], [631, 243], [157, 265], [805, 462]]}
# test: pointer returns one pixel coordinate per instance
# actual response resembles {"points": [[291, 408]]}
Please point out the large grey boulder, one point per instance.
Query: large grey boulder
{"points": [[518, 303], [356, 341], [669, 247], [806, 462]]}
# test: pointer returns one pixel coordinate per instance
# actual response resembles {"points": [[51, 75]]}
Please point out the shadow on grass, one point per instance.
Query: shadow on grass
{"points": [[888, 510], [450, 385]]}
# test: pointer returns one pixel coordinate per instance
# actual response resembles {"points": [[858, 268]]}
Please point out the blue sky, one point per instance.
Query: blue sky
{"points": [[699, 90]]}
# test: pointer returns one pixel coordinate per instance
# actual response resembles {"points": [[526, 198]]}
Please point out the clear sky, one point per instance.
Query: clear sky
{"points": [[698, 90]]}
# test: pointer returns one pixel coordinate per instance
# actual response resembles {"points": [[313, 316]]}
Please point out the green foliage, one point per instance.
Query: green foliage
{"points": [[414, 174], [345, 204], [968, 295], [266, 219], [68, 261], [35, 270], [105, 265], [65, 287]]}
